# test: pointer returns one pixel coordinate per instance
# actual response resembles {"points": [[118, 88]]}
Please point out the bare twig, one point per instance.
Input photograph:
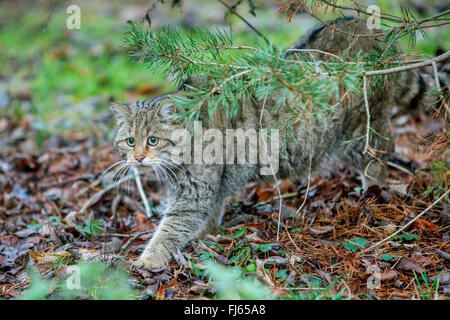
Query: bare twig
{"points": [[290, 238], [399, 167], [100, 193], [240, 48], [435, 25], [315, 50], [137, 177], [237, 75], [391, 18], [408, 224], [436, 76], [233, 11], [434, 17], [271, 167], [413, 66], [309, 179], [125, 246], [366, 103]]}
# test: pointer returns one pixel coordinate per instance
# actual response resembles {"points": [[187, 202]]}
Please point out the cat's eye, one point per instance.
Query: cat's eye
{"points": [[130, 142], [152, 141]]}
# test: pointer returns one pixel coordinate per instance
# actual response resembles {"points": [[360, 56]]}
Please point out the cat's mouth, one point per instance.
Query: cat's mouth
{"points": [[161, 168], [144, 163]]}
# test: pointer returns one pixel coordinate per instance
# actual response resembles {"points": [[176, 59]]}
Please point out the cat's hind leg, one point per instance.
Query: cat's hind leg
{"points": [[372, 166]]}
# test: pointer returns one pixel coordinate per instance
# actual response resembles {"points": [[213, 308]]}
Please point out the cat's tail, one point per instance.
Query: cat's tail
{"points": [[417, 91]]}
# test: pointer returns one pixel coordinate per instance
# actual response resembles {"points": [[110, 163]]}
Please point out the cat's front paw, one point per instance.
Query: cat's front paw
{"points": [[150, 261]]}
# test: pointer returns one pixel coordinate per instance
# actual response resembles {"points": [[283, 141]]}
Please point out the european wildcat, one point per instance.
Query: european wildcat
{"points": [[195, 204]]}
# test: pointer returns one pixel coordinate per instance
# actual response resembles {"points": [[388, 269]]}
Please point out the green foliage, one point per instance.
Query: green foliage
{"points": [[194, 268], [240, 254], [250, 268], [387, 257], [239, 233], [307, 87], [281, 274], [216, 245], [407, 30], [231, 284], [203, 255], [177, 52], [429, 292], [410, 30], [407, 237], [38, 290], [60, 67], [237, 283], [97, 282], [355, 244], [316, 292], [265, 247], [439, 170], [90, 227]]}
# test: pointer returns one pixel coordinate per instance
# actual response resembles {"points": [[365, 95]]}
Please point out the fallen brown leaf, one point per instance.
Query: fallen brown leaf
{"points": [[424, 224], [414, 263], [386, 276]]}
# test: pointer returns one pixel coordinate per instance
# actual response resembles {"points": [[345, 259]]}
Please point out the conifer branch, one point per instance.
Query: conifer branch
{"points": [[310, 84], [418, 65], [386, 17]]}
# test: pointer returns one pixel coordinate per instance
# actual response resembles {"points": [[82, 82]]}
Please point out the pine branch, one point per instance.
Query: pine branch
{"points": [[180, 53], [408, 24], [425, 63], [305, 88]]}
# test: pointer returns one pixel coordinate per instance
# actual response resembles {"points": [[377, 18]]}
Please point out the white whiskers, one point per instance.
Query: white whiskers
{"points": [[123, 170]]}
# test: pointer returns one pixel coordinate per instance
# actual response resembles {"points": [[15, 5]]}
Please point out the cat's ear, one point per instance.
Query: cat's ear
{"points": [[121, 112], [166, 111]]}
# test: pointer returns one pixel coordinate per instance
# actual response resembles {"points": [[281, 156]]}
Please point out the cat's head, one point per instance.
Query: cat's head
{"points": [[144, 131]]}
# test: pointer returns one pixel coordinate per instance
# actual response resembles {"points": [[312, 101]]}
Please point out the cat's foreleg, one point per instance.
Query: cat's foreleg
{"points": [[188, 215], [176, 229]]}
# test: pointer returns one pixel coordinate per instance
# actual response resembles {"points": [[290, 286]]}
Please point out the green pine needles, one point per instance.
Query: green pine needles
{"points": [[305, 88]]}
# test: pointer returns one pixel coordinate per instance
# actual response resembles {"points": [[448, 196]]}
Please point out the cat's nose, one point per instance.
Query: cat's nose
{"points": [[139, 158]]}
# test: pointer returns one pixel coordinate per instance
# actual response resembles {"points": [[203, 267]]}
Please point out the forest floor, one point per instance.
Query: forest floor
{"points": [[318, 254]]}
